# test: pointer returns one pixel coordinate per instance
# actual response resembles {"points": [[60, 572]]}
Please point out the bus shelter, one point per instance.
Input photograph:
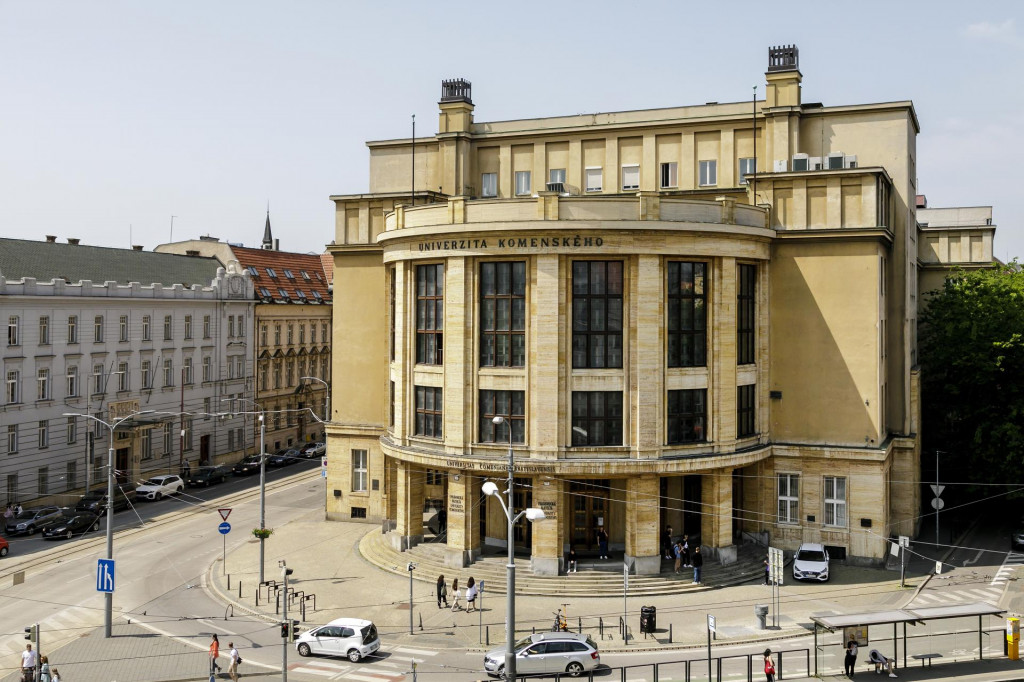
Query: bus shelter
{"points": [[898, 617]]}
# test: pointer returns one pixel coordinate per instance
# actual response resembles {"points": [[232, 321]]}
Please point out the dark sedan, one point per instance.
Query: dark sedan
{"points": [[283, 458], [207, 476], [249, 465], [31, 520], [76, 523]]}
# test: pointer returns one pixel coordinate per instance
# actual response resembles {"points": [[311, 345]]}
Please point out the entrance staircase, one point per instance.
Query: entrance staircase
{"points": [[595, 577]]}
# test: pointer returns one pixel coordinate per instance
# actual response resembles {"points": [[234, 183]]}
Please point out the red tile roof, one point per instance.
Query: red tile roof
{"points": [[270, 272], [328, 263]]}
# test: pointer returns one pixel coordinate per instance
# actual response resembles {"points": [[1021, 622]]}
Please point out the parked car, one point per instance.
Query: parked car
{"points": [[250, 464], [158, 486], [4, 547], [283, 458], [95, 501], [31, 520], [352, 637], [314, 450], [207, 476], [548, 653], [811, 562], [70, 524]]}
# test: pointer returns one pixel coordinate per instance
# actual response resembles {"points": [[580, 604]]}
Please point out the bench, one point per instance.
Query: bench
{"points": [[926, 657]]}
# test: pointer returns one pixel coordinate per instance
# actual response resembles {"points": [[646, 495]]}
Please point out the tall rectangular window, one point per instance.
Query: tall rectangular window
{"points": [[708, 173], [207, 327], [43, 481], [323, 330], [360, 460], [147, 328], [97, 329], [72, 328], [429, 411], [686, 416], [123, 377], [43, 383], [97, 380], [302, 334], [277, 335], [489, 184], [44, 330], [73, 381], [146, 443], [503, 314], [594, 178], [186, 371], [13, 331], [186, 427], [122, 328], [263, 335], [168, 372], [43, 432], [391, 298], [12, 439], [168, 327], [507, 404], [72, 431], [596, 418], [687, 314], [231, 326], [277, 374], [70, 476], [746, 290], [12, 390], [240, 366], [835, 501], [597, 314], [188, 327], [291, 334], [207, 411], [789, 498], [207, 368], [168, 438], [147, 374], [631, 177], [747, 167], [669, 174], [556, 175], [522, 183], [746, 425], [430, 314], [391, 408]]}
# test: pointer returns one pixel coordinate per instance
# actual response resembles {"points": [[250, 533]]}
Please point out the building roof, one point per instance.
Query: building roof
{"points": [[270, 272], [46, 261], [327, 260]]}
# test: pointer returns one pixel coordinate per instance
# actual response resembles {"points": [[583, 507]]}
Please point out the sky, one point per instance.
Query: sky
{"points": [[117, 115]]}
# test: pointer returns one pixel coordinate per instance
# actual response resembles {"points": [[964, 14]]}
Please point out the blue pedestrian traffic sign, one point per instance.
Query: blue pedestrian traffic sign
{"points": [[105, 575], [224, 528]]}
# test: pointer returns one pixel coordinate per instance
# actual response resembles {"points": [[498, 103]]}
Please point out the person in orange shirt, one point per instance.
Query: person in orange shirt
{"points": [[214, 653]]}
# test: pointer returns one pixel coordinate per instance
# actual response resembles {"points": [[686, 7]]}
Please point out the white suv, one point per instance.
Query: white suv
{"points": [[811, 562], [158, 486]]}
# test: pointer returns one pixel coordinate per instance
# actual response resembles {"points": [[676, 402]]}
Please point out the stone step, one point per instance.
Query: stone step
{"points": [[597, 578]]}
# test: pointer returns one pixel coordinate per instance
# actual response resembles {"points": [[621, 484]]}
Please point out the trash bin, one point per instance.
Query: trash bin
{"points": [[761, 611], [648, 619]]}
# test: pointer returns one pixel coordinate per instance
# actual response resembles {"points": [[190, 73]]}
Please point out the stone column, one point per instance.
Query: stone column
{"points": [[409, 526], [463, 520], [716, 524], [548, 551], [642, 534]]}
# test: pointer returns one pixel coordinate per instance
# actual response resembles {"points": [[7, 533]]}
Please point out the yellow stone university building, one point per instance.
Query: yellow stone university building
{"points": [[701, 316]]}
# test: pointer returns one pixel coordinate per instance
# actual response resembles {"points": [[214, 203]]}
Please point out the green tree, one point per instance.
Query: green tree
{"points": [[972, 363]]}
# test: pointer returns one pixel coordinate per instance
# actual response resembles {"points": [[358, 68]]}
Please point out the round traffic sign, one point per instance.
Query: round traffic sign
{"points": [[224, 528], [938, 503]]}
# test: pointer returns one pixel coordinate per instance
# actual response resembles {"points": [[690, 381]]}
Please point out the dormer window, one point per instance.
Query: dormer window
{"points": [[264, 292], [284, 294], [300, 294], [270, 271], [289, 275], [317, 296], [305, 275], [253, 272]]}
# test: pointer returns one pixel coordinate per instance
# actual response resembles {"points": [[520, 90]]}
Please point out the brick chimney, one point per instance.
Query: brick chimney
{"points": [[73, 241], [51, 239]]}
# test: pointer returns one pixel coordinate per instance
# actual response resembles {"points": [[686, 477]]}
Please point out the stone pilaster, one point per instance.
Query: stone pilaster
{"points": [[642, 516], [549, 535], [409, 512], [463, 520], [716, 524]]}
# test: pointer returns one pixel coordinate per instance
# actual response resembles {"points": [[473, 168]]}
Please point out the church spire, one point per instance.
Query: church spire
{"points": [[268, 238]]}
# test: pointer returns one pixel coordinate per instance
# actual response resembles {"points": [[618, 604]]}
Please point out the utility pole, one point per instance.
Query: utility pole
{"points": [[285, 641]]}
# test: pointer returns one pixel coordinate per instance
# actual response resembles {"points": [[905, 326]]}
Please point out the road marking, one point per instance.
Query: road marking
{"points": [[418, 652], [314, 671], [216, 628], [373, 678]]}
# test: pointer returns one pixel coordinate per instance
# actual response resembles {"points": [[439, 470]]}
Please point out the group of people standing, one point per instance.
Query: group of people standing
{"points": [[472, 592], [12, 511], [29, 661], [680, 551]]}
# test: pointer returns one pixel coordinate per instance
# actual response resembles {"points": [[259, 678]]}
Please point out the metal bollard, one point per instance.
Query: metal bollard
{"points": [[229, 581], [670, 633], [579, 626], [239, 589], [600, 625], [277, 602], [487, 634]]}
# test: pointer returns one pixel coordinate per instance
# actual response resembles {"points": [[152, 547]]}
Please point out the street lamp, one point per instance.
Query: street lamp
{"points": [[263, 478], [490, 488], [108, 610], [327, 398]]}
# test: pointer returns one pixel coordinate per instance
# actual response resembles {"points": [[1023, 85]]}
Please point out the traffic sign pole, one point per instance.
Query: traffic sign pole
{"points": [[224, 529]]}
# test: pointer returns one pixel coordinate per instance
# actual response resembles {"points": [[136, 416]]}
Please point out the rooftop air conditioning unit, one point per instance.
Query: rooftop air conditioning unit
{"points": [[835, 161], [779, 166], [814, 163], [800, 162], [850, 161]]}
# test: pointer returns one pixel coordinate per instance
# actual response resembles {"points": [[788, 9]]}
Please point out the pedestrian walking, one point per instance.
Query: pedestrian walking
{"points": [[8, 513], [471, 592], [602, 542], [769, 666], [185, 470], [666, 542], [455, 595], [850, 660], [698, 562], [28, 664], [235, 659], [214, 654], [44, 669], [678, 552], [686, 550], [571, 561], [442, 591]]}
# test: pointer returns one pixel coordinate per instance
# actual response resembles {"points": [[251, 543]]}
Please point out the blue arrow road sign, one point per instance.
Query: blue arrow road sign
{"points": [[105, 575], [224, 528]]}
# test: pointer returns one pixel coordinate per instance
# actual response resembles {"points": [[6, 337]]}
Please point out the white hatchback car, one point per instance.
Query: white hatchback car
{"points": [[158, 486], [352, 637], [811, 562]]}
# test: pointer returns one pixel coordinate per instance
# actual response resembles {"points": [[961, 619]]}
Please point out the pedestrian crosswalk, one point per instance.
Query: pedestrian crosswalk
{"points": [[989, 595], [391, 667], [1010, 564]]}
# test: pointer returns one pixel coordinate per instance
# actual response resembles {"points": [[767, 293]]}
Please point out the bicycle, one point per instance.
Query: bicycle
{"points": [[561, 623]]}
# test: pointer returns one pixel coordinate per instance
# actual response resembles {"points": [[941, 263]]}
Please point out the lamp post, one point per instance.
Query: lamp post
{"points": [[327, 398], [532, 514], [263, 479], [108, 609]]}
